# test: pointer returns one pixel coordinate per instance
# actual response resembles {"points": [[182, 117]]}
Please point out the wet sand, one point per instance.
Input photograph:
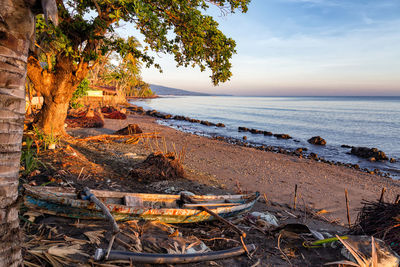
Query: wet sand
{"points": [[320, 185]]}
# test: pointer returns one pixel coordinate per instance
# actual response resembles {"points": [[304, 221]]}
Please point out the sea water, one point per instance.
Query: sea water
{"points": [[354, 121]]}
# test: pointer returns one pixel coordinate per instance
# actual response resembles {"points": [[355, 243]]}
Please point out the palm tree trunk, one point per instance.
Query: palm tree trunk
{"points": [[16, 29]]}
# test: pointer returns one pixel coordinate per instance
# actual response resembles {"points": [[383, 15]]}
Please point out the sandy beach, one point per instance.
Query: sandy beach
{"points": [[320, 185]]}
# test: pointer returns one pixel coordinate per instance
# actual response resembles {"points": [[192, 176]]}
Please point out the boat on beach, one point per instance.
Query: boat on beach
{"points": [[63, 201]]}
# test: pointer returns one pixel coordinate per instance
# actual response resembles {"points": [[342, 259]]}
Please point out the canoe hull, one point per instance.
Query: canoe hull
{"points": [[83, 209]]}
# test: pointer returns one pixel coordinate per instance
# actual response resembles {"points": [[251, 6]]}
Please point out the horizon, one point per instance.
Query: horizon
{"points": [[300, 47], [247, 95]]}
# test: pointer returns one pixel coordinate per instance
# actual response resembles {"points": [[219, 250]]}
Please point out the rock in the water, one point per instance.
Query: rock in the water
{"points": [[282, 136], [346, 146], [392, 160], [365, 152], [317, 140]]}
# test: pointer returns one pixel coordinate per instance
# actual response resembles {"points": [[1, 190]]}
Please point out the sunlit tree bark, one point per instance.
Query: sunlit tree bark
{"points": [[16, 30]]}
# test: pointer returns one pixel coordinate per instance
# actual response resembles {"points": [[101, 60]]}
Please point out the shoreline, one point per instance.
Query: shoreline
{"points": [[298, 152], [320, 185]]}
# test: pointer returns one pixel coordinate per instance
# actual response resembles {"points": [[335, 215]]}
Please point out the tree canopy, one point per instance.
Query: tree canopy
{"points": [[179, 27]]}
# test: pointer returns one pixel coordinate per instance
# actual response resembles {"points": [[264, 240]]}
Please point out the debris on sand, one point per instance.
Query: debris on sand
{"points": [[158, 166], [113, 113], [89, 118], [366, 251], [129, 130], [382, 220]]}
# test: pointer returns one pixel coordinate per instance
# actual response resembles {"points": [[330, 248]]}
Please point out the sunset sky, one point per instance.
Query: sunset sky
{"points": [[303, 47]]}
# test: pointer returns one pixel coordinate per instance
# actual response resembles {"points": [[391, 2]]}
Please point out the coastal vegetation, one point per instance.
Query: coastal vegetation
{"points": [[87, 33]]}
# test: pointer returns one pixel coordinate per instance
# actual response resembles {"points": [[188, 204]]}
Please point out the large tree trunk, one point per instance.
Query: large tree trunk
{"points": [[57, 89], [16, 29]]}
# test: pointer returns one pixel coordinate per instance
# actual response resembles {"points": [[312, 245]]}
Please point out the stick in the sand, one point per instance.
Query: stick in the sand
{"points": [[295, 197], [108, 215], [382, 193], [347, 207], [397, 199], [265, 198]]}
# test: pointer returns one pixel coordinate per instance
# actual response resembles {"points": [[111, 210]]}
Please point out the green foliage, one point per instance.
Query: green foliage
{"points": [[29, 160], [80, 91], [45, 139], [179, 27]]}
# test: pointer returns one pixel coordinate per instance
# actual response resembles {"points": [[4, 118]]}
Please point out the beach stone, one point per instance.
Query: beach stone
{"points": [[346, 146], [243, 129], [255, 131], [365, 152], [267, 133], [244, 137], [317, 140], [282, 136], [372, 159], [392, 160], [179, 117], [220, 124], [313, 156]]}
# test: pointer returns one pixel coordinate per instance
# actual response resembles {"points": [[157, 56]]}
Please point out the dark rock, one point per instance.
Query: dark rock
{"points": [[365, 152], [167, 116], [392, 160], [299, 150], [244, 137], [266, 133], [205, 123], [179, 118], [317, 140], [313, 156], [372, 159], [282, 136], [151, 112], [346, 146], [220, 124], [255, 131], [243, 129]]}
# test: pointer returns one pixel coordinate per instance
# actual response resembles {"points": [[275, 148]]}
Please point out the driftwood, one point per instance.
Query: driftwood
{"points": [[172, 258], [116, 136]]}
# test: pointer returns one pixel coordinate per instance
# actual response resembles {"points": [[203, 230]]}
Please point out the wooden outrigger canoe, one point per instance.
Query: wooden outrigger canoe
{"points": [[132, 206]]}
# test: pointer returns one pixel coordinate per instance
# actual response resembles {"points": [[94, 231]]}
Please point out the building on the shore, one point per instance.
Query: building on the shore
{"points": [[101, 95]]}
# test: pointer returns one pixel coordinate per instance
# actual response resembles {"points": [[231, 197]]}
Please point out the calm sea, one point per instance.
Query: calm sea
{"points": [[354, 121]]}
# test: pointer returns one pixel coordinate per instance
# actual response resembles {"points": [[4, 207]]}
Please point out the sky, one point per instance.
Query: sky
{"points": [[302, 47]]}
